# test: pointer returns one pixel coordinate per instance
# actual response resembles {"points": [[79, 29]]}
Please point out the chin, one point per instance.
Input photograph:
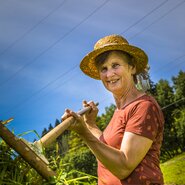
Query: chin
{"points": [[115, 91]]}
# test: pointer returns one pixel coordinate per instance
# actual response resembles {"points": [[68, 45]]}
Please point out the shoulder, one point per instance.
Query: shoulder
{"points": [[140, 104], [144, 109], [141, 108]]}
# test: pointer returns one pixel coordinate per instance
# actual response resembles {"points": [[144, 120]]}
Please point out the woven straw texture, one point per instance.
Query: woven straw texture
{"points": [[112, 42]]}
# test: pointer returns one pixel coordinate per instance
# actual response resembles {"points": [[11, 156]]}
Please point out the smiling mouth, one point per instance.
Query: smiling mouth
{"points": [[112, 81]]}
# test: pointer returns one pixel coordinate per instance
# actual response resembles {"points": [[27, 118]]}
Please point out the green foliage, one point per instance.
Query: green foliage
{"points": [[164, 93], [165, 97], [179, 85], [60, 146], [11, 166], [152, 90], [179, 126], [79, 156], [81, 159], [104, 119], [15, 171], [173, 170]]}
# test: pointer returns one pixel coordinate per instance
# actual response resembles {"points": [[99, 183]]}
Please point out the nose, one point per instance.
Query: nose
{"points": [[110, 73]]}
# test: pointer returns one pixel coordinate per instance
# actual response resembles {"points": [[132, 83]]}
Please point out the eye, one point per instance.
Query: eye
{"points": [[103, 69], [115, 66]]}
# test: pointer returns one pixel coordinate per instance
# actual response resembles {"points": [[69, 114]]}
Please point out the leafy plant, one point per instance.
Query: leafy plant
{"points": [[14, 170]]}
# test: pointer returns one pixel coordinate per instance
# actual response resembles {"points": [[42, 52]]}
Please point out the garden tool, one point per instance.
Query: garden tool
{"points": [[32, 153]]}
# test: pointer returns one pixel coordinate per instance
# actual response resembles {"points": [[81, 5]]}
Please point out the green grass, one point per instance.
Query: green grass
{"points": [[174, 170], [12, 165]]}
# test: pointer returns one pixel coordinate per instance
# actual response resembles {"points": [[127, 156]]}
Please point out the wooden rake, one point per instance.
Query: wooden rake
{"points": [[31, 152]]}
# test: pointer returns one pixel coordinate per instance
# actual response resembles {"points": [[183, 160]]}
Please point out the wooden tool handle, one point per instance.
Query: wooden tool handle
{"points": [[59, 129], [26, 152]]}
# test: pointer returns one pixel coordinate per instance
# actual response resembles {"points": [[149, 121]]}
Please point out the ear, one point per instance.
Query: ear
{"points": [[133, 70], [133, 66]]}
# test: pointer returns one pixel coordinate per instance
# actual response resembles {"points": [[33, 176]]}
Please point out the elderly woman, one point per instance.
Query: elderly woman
{"points": [[128, 149]]}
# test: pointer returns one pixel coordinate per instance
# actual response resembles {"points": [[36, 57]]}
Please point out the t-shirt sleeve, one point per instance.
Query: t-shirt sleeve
{"points": [[143, 120]]}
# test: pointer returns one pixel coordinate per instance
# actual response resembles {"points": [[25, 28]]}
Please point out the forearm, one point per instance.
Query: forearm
{"points": [[95, 131], [113, 159]]}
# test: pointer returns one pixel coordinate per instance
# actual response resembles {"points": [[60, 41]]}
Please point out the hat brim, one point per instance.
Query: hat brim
{"points": [[87, 64]]}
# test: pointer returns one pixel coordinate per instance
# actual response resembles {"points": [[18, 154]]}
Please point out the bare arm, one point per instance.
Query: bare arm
{"points": [[120, 162]]}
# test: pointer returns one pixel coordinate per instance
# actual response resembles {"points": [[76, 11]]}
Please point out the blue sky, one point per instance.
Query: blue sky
{"points": [[43, 42]]}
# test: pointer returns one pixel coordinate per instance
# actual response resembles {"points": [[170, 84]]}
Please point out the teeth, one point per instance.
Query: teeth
{"points": [[112, 81]]}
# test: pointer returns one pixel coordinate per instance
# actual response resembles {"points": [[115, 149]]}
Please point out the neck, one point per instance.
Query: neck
{"points": [[126, 97]]}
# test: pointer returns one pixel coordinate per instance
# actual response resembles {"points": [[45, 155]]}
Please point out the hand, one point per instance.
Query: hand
{"points": [[78, 124], [90, 116]]}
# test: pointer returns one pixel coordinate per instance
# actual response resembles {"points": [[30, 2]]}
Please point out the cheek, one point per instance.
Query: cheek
{"points": [[126, 73], [102, 76], [103, 80]]}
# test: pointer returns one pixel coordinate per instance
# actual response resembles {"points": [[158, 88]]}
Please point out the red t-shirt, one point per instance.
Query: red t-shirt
{"points": [[143, 117]]}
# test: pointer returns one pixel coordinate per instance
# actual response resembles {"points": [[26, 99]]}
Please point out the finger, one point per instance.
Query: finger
{"points": [[93, 105], [75, 115], [85, 104], [65, 115]]}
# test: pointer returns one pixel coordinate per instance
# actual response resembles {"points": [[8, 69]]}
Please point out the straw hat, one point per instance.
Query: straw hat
{"points": [[112, 42]]}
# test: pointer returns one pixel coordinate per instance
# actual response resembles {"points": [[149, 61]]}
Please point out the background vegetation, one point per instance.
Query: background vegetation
{"points": [[173, 170], [74, 162]]}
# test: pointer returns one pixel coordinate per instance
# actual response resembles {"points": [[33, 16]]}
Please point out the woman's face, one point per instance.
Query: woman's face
{"points": [[116, 74]]}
